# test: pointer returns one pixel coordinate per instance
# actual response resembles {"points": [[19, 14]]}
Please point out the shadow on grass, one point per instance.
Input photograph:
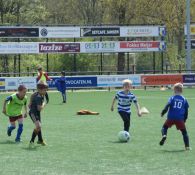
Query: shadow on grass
{"points": [[29, 149], [9, 142], [117, 142], [173, 151]]}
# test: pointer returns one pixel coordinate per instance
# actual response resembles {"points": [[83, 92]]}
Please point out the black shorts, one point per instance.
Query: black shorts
{"points": [[35, 116]]}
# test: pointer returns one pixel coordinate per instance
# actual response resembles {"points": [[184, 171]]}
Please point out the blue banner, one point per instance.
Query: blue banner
{"points": [[76, 82], [189, 78]]}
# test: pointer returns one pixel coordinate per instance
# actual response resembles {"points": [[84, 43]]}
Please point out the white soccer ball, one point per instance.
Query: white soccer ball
{"points": [[123, 136]]}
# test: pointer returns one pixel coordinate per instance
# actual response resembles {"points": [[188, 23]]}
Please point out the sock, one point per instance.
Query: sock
{"points": [[64, 97], [40, 138], [34, 134], [11, 128], [164, 130], [19, 132], [185, 138]]}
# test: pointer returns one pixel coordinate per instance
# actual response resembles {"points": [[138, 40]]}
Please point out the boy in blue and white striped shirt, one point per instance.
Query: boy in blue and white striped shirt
{"points": [[125, 98]]}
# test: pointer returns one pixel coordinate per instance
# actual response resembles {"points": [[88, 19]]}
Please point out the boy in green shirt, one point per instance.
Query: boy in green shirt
{"points": [[12, 107]]}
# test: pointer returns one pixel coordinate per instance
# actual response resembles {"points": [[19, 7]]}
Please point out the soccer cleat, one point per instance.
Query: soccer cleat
{"points": [[17, 140], [163, 140], [43, 143], [188, 148], [31, 145]]}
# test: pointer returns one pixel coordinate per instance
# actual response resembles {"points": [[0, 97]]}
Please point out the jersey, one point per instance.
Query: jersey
{"points": [[178, 106], [125, 100], [36, 100], [14, 105], [61, 84]]}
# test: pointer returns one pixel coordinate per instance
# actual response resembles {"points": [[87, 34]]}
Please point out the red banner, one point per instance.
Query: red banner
{"points": [[59, 47], [140, 44], [161, 79]]}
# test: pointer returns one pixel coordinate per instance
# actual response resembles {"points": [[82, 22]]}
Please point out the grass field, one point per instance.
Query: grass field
{"points": [[88, 145]]}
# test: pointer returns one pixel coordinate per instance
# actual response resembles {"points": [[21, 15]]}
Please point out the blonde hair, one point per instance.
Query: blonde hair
{"points": [[178, 87], [127, 82]]}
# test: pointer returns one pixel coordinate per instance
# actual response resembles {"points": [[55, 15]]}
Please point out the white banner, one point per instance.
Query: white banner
{"points": [[59, 32], [116, 80], [16, 48], [142, 31], [13, 83]]}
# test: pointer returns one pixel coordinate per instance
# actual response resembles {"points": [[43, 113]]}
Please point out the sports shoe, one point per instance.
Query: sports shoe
{"points": [[163, 140], [31, 145], [43, 143], [17, 140], [188, 148]]}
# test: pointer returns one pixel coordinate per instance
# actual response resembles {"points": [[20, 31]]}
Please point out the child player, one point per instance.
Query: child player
{"points": [[36, 106], [61, 85], [12, 107], [177, 108], [125, 98], [43, 77]]}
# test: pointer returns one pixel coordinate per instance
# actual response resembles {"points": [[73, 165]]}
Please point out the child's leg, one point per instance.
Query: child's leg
{"points": [[47, 97], [36, 131], [164, 134], [126, 119], [11, 127], [64, 96], [185, 137], [20, 129]]}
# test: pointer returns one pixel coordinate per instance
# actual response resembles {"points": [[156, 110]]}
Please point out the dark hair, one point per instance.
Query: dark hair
{"points": [[21, 87], [39, 68], [42, 85], [63, 73]]}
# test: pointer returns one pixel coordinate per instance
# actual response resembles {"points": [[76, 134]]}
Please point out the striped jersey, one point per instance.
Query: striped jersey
{"points": [[125, 100]]}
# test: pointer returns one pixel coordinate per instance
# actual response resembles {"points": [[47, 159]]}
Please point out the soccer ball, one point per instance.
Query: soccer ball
{"points": [[123, 136]]}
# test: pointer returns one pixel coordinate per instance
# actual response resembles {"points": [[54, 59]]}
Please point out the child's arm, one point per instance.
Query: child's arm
{"points": [[138, 109], [4, 104], [164, 111], [113, 102], [186, 115], [40, 107], [25, 110]]}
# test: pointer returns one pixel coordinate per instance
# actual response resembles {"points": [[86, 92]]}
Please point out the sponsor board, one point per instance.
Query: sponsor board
{"points": [[189, 79], [13, 83], [2, 83], [151, 80], [100, 31], [142, 46], [116, 80], [192, 44], [18, 48], [142, 31], [76, 82], [98, 47], [59, 47], [19, 32], [192, 29], [59, 32]]}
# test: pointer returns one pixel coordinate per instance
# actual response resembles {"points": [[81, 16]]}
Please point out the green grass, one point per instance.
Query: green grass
{"points": [[88, 145]]}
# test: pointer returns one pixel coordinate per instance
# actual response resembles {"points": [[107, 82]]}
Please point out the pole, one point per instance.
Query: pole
{"points": [[47, 59], [75, 61], [162, 63], [188, 54]]}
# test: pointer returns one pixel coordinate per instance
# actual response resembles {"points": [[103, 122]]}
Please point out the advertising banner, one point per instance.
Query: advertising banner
{"points": [[142, 31], [76, 82], [192, 29], [142, 46], [59, 32], [98, 47], [19, 32], [192, 44], [59, 47], [147, 80], [100, 31], [116, 80], [13, 83], [18, 48], [189, 79], [2, 83]]}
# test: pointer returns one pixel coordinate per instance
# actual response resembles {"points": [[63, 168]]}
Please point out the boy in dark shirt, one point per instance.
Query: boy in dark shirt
{"points": [[36, 106]]}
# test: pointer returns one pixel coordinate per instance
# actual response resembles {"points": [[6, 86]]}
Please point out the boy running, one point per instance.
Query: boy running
{"points": [[12, 107], [36, 106], [125, 98], [177, 108]]}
